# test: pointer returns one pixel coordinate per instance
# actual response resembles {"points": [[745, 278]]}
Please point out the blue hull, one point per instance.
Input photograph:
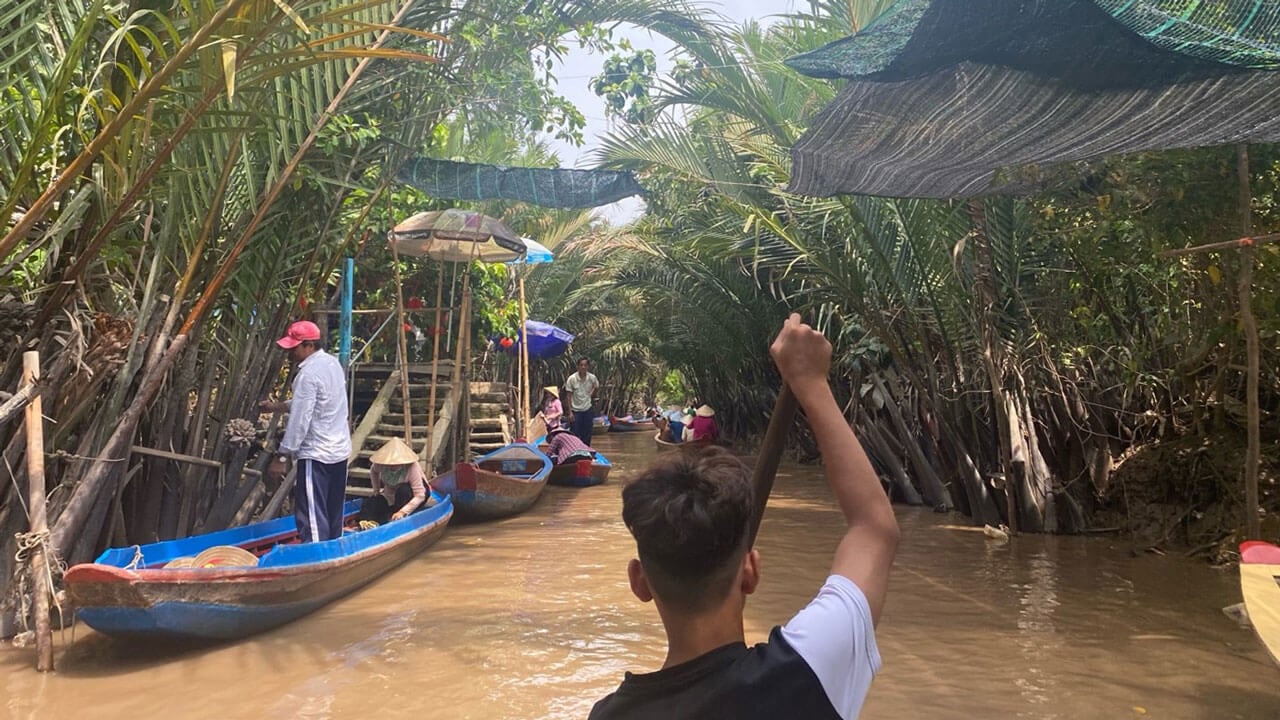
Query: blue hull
{"points": [[224, 603], [502, 483]]}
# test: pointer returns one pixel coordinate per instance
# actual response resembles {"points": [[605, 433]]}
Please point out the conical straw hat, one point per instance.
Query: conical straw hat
{"points": [[552, 389], [225, 556], [394, 452], [705, 411]]}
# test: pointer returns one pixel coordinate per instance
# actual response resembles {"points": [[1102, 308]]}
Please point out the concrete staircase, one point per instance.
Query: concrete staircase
{"points": [[489, 418]]}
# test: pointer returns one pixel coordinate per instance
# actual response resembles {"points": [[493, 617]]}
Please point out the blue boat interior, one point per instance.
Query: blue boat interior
{"points": [[276, 541], [532, 465]]}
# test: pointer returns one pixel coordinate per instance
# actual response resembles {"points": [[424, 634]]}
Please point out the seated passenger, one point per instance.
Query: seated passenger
{"points": [[703, 425], [563, 447], [399, 485]]}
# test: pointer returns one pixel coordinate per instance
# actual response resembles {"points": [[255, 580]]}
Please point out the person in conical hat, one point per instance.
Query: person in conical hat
{"points": [[563, 447], [703, 425], [550, 408], [399, 485]]}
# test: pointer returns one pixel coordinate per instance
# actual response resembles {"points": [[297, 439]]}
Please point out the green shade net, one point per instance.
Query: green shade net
{"points": [[951, 98], [547, 187]]}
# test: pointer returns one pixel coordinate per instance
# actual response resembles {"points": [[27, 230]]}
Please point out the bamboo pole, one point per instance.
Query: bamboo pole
{"points": [[39, 520], [1239, 243], [456, 376], [401, 348], [435, 370], [16, 404], [1253, 457], [525, 398], [464, 350]]}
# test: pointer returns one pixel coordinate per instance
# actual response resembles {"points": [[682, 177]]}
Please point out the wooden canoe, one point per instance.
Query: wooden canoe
{"points": [[580, 473], [623, 425], [1260, 585], [130, 591], [504, 482]]}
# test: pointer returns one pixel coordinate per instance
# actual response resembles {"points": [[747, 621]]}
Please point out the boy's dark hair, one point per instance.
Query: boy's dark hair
{"points": [[689, 513], [581, 360]]}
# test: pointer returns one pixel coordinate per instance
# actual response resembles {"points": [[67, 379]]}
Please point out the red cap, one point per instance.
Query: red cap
{"points": [[298, 332]]}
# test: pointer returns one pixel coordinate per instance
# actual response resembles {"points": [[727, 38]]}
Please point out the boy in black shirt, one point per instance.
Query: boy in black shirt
{"points": [[690, 514]]}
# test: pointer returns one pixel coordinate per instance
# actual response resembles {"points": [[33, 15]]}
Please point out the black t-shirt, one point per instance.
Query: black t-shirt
{"points": [[769, 680], [819, 666]]}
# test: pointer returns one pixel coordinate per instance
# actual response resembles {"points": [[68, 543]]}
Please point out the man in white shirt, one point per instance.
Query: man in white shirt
{"points": [[579, 390], [318, 435]]}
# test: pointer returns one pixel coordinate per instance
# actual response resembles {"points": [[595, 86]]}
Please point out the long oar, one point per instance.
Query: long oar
{"points": [[775, 438]]}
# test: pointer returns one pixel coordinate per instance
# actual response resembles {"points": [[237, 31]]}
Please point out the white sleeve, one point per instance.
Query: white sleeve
{"points": [[835, 636], [301, 408]]}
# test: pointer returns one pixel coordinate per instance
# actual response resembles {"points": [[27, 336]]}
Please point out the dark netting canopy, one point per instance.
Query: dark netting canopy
{"points": [[950, 98], [547, 187]]}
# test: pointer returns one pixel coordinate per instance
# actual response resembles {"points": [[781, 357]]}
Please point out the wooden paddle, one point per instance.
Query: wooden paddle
{"points": [[775, 438]]}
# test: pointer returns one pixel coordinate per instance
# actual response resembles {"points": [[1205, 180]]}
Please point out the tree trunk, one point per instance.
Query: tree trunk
{"points": [[874, 438], [88, 491], [930, 485]]}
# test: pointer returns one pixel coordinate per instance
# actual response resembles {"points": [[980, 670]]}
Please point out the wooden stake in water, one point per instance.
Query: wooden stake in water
{"points": [[39, 519]]}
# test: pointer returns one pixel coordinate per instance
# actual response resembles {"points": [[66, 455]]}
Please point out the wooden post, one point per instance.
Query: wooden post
{"points": [[39, 520], [458, 374], [526, 399], [435, 369], [464, 350], [1253, 525], [402, 349]]}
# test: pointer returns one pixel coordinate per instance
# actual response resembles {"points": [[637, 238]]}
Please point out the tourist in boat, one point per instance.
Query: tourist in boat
{"points": [[670, 426], [399, 485], [550, 409], [581, 388], [691, 517], [317, 436], [703, 425], [563, 447]]}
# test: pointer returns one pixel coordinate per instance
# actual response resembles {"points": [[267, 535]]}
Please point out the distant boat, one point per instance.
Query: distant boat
{"points": [[1260, 585], [156, 590], [504, 482], [617, 424]]}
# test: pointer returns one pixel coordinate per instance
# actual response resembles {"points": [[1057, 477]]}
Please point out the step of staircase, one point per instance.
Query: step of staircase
{"points": [[481, 448], [488, 409], [397, 429], [487, 437]]}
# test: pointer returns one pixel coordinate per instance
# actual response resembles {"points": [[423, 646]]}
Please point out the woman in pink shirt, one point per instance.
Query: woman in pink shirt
{"points": [[703, 425], [399, 485], [550, 408]]}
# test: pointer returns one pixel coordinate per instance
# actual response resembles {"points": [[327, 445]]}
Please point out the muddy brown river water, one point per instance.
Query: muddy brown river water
{"points": [[532, 618]]}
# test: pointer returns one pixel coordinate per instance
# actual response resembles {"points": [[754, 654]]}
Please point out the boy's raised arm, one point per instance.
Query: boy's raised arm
{"points": [[865, 554]]}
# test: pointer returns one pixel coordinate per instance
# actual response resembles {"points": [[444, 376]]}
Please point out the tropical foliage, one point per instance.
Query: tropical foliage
{"points": [[999, 356], [180, 180]]}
